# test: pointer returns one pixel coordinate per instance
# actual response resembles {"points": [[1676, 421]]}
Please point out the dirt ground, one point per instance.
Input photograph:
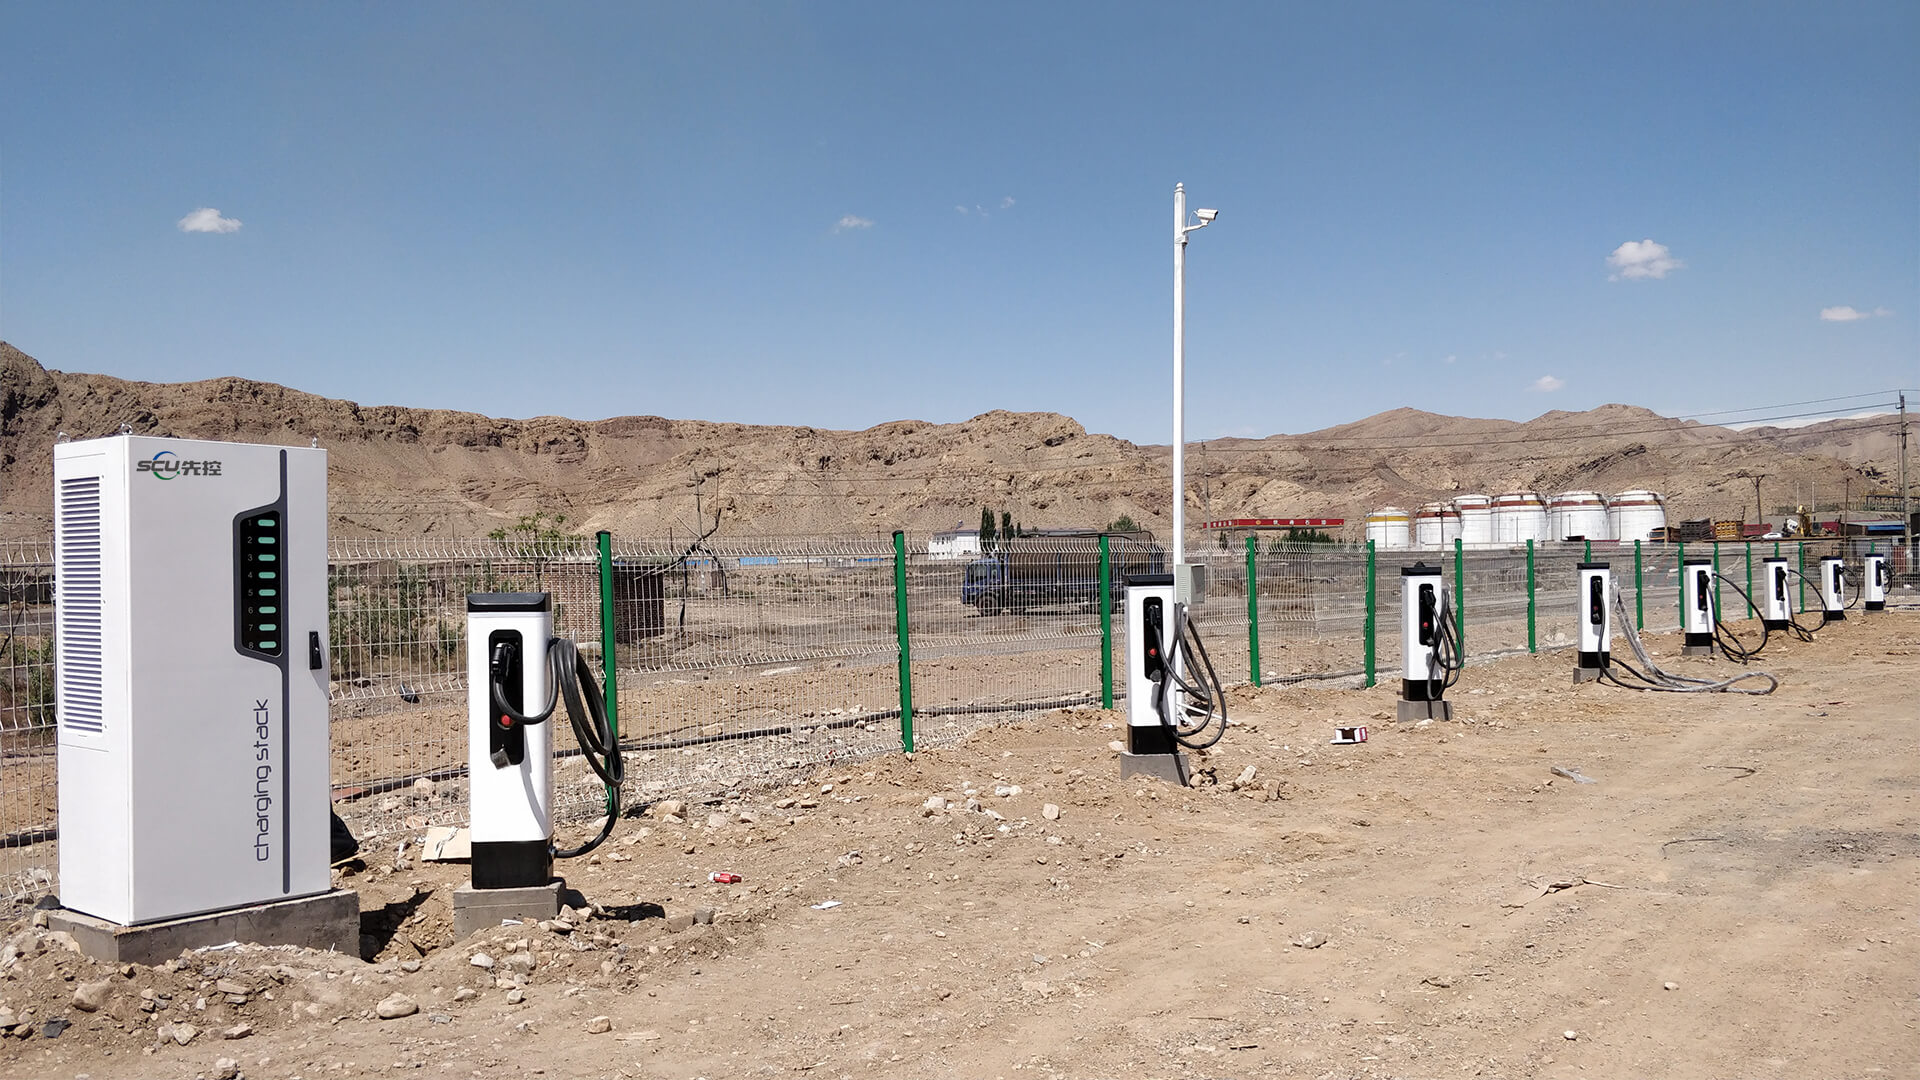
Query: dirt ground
{"points": [[1732, 895]]}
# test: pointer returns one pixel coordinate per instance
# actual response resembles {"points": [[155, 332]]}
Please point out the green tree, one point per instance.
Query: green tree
{"points": [[1122, 524], [986, 529], [1007, 531]]}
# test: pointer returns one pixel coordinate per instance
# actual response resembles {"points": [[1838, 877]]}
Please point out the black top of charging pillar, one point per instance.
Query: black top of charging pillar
{"points": [[1149, 579], [1420, 569], [1596, 566], [509, 601], [1698, 562]]}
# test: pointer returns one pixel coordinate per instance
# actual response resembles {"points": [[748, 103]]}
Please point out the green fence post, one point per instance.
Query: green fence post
{"points": [[1460, 595], [1531, 609], [1372, 610], [1639, 591], [1719, 602], [1750, 609], [610, 683], [1106, 625], [1679, 570], [1588, 557], [1803, 575], [1253, 613], [906, 652]]}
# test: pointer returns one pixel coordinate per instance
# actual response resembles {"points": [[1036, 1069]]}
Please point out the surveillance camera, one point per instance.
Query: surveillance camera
{"points": [[1206, 215]]}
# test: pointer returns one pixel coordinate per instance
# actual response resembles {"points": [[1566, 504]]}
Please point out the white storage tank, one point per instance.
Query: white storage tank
{"points": [[1520, 516], [1390, 528], [1633, 515], [1436, 525], [1476, 519], [1581, 514]]}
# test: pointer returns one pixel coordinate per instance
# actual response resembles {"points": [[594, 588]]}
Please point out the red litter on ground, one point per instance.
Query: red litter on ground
{"points": [[721, 877], [1348, 736]]}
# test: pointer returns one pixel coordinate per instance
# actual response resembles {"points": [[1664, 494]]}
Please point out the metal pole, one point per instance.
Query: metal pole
{"points": [[900, 632], [1179, 373], [1803, 575], [1106, 625], [1680, 566], [607, 657], [1460, 595], [1719, 604], [1372, 610], [1532, 646], [1639, 591], [1253, 610], [1750, 608], [1906, 511]]}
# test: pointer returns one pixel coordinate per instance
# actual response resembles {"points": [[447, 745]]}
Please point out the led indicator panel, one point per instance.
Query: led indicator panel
{"points": [[261, 539]]}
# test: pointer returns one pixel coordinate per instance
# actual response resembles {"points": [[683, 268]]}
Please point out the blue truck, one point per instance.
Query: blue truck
{"points": [[1055, 572]]}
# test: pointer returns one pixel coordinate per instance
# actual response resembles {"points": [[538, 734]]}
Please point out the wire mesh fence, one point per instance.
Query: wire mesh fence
{"points": [[745, 663]]}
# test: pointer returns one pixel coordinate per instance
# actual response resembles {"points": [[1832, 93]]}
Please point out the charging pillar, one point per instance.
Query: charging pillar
{"points": [[1596, 620], [1873, 596], [1833, 588], [509, 762], [1423, 678], [1776, 612], [1151, 650], [1696, 584]]}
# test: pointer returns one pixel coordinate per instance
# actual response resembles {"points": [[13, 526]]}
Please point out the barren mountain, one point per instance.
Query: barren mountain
{"points": [[430, 472]]}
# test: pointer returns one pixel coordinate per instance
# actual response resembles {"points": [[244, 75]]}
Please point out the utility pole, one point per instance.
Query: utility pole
{"points": [[1906, 511], [1759, 512]]}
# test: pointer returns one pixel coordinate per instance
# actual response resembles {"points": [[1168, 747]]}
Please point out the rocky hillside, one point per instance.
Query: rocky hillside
{"points": [[430, 472]]}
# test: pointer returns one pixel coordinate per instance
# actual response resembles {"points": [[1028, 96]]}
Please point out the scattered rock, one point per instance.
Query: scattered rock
{"points": [[599, 1025], [716, 820], [1050, 812], [481, 960], [1245, 779], [1441, 981], [228, 986], [1569, 1035], [465, 993], [237, 1031], [515, 996], [934, 804], [678, 923], [225, 1069], [521, 963], [92, 996], [395, 1006], [181, 1033], [1673, 986], [667, 808], [703, 916], [1311, 940]]}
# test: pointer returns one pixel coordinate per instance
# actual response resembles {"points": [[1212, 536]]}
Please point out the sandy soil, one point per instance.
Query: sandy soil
{"points": [[1731, 896]]}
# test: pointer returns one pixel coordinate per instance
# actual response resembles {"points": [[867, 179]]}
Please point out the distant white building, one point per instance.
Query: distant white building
{"points": [[955, 543]]}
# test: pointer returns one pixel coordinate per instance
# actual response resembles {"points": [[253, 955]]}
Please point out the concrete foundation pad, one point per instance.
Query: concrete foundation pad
{"points": [[1586, 674], [1414, 711], [483, 909], [1696, 650], [330, 920], [1169, 767]]}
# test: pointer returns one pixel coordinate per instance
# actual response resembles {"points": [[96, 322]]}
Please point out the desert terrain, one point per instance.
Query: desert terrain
{"points": [[409, 473], [1722, 888]]}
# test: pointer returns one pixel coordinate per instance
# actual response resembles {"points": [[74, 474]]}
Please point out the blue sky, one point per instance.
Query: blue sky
{"points": [[839, 214]]}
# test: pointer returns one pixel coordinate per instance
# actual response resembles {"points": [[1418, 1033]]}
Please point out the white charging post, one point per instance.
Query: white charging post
{"points": [[1873, 589], [1696, 600], [1422, 629], [1833, 588], [1151, 650], [1776, 610], [1596, 620], [510, 764]]}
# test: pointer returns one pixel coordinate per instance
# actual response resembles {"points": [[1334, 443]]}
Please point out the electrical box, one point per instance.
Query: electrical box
{"points": [[1595, 623], [1776, 609], [1150, 648], [190, 616]]}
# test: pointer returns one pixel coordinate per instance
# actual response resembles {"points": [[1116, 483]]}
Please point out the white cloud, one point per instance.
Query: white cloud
{"points": [[207, 219], [852, 222], [961, 209], [1450, 358], [1848, 313], [1006, 203], [1639, 259], [1547, 384]]}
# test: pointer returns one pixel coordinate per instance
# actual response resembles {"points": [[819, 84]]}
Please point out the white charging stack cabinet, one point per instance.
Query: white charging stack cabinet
{"points": [[191, 685]]}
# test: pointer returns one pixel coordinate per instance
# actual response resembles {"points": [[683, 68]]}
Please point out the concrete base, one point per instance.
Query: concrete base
{"points": [[330, 920], [1169, 767], [1413, 711], [1874, 605], [484, 909], [1696, 650], [1586, 674]]}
